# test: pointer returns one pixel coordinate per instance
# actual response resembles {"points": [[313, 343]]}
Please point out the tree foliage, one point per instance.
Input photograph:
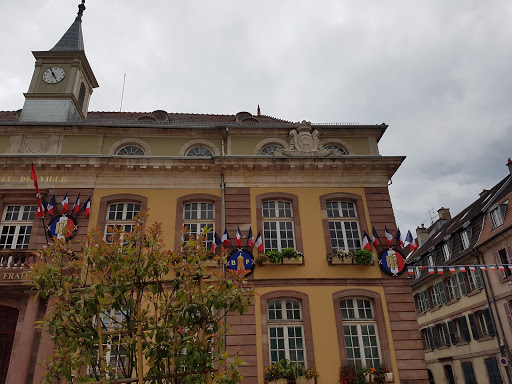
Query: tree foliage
{"points": [[129, 308]]}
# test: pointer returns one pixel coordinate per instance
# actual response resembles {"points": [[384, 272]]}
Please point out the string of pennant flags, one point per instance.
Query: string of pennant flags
{"points": [[432, 270], [226, 241]]}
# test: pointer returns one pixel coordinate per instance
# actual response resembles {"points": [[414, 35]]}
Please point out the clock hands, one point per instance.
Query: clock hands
{"points": [[51, 70]]}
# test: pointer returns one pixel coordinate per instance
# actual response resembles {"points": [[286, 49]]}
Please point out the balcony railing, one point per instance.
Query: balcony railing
{"points": [[15, 265]]}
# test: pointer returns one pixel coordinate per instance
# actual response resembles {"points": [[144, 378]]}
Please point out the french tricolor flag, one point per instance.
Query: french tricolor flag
{"points": [[250, 238], [440, 270], [452, 269], [462, 268], [259, 242], [87, 207], [51, 205], [225, 238], [64, 204], [410, 270], [389, 236], [399, 237], [483, 268], [430, 270], [76, 206], [216, 242], [238, 237], [375, 237], [492, 267], [472, 268], [501, 267], [366, 242], [410, 241]]}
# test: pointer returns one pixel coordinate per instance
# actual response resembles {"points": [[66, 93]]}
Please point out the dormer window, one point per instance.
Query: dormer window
{"points": [[496, 217], [464, 239], [446, 251]]}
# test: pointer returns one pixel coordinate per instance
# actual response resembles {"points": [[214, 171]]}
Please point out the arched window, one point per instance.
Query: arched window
{"points": [[269, 150], [131, 150], [199, 151], [335, 147]]}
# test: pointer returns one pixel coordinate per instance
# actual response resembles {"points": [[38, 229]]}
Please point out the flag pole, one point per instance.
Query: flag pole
{"points": [[39, 204]]}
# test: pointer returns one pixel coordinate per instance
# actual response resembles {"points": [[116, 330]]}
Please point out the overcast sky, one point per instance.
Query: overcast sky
{"points": [[438, 72]]}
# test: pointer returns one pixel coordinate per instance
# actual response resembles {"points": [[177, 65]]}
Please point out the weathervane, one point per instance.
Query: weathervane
{"points": [[81, 9]]}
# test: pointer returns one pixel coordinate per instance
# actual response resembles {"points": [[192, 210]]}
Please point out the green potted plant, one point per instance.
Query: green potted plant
{"points": [[275, 373], [363, 257], [274, 256], [309, 376], [291, 256], [261, 259]]}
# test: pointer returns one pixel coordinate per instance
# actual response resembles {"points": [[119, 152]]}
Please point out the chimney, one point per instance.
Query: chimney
{"points": [[421, 234], [444, 214], [509, 165], [483, 191]]}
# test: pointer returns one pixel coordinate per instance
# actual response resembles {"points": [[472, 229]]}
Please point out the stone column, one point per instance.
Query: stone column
{"points": [[45, 350], [22, 349]]}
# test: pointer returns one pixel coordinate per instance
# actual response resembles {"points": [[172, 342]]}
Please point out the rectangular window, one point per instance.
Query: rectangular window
{"points": [[120, 216], [443, 337], [430, 260], [278, 230], [286, 332], [464, 239], [469, 373], [481, 324], [425, 303], [496, 218], [453, 287], [16, 226], [360, 332], [438, 295], [446, 251], [199, 218], [504, 257], [475, 279], [343, 226]]}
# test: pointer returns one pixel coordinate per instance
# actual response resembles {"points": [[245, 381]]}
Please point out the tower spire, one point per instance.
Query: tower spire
{"points": [[72, 40], [81, 9]]}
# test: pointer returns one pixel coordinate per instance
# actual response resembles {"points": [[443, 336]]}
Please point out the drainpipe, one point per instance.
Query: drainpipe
{"points": [[494, 314]]}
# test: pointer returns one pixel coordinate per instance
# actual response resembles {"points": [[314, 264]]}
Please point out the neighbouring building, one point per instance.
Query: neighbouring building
{"points": [[309, 186], [462, 292]]}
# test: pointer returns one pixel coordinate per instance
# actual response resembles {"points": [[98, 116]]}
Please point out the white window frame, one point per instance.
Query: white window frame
{"points": [[483, 330], [361, 305], [496, 218], [336, 217], [423, 299], [453, 287], [106, 325], [17, 225], [204, 218], [278, 215], [199, 151], [443, 337], [445, 247], [475, 279], [417, 272], [464, 239], [286, 323], [132, 150], [126, 222], [430, 260], [268, 150]]}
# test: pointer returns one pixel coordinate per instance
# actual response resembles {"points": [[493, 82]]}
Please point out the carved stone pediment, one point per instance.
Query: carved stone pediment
{"points": [[304, 141]]}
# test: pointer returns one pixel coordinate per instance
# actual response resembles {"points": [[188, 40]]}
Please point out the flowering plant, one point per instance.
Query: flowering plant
{"points": [[311, 373]]}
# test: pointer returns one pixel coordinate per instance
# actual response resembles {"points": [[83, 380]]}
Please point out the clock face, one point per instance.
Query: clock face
{"points": [[53, 75]]}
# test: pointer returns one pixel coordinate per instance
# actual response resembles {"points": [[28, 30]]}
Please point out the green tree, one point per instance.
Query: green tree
{"points": [[129, 308]]}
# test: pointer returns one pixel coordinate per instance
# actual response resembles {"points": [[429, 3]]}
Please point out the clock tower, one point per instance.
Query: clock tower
{"points": [[63, 80]]}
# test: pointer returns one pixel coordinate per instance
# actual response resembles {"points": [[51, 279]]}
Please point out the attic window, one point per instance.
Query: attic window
{"points": [[199, 151], [131, 150], [496, 216], [270, 149], [334, 147]]}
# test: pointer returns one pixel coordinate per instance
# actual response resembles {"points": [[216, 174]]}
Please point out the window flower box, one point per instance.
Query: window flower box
{"points": [[293, 260], [278, 381], [305, 380], [286, 256], [342, 260], [389, 377]]}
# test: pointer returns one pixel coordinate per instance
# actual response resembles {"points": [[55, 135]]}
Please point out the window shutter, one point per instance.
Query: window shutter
{"points": [[509, 315], [428, 299], [474, 329], [453, 280], [464, 328], [452, 332], [462, 283], [488, 322], [503, 210], [450, 246], [447, 334], [498, 261], [480, 281]]}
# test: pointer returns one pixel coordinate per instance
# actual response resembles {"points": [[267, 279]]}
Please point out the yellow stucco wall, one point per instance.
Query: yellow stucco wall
{"points": [[4, 143], [80, 145]]}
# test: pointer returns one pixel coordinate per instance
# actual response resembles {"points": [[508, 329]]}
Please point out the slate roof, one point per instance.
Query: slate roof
{"points": [[173, 117], [72, 40], [469, 213]]}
